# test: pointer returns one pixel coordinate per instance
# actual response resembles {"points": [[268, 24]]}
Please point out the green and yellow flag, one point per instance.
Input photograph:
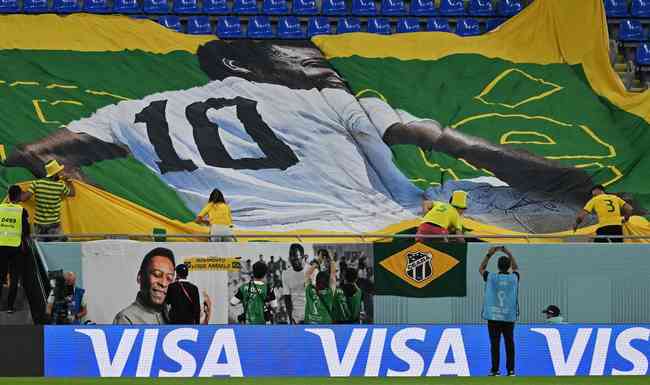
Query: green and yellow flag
{"points": [[405, 269]]}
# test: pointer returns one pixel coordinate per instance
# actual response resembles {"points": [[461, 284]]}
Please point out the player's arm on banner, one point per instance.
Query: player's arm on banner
{"points": [[333, 275], [308, 273], [207, 308], [71, 149], [520, 169]]}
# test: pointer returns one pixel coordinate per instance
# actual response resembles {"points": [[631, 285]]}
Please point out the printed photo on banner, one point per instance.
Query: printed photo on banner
{"points": [[142, 278], [304, 283]]}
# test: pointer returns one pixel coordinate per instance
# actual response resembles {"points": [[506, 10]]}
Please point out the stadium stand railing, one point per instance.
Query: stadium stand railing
{"points": [[628, 20], [364, 237]]}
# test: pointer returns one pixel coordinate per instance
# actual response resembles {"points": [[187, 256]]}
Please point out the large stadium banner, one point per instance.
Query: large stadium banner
{"points": [[344, 134], [340, 351], [118, 277]]}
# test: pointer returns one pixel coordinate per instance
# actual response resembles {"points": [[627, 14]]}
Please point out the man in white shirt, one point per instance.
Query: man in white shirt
{"points": [[293, 285], [281, 135]]}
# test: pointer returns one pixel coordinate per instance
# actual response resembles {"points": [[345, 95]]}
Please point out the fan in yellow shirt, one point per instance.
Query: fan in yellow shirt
{"points": [[608, 209], [443, 218], [216, 214]]}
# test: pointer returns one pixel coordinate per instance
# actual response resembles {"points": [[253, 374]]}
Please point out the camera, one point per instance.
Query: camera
{"points": [[62, 308]]}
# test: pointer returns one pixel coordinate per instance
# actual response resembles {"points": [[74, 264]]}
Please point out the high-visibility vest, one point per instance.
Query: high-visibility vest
{"points": [[11, 224]]}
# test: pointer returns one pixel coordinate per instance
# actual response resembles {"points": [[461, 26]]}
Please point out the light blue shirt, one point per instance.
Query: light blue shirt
{"points": [[501, 302]]}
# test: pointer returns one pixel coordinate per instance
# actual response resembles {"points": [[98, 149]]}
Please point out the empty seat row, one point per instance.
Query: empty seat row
{"points": [[619, 8], [504, 8], [290, 27]]}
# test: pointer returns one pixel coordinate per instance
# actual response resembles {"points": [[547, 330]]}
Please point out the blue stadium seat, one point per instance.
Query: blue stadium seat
{"points": [[289, 28], [393, 8], [492, 24], [229, 27], [334, 7], [96, 6], [631, 30], [509, 8], [259, 27], [452, 7], [65, 6], [139, 17], [215, 7], [9, 6], [35, 6], [616, 8], [423, 8], [379, 25], [348, 24], [304, 7], [199, 25], [408, 24], [245, 7], [640, 8], [275, 7], [438, 25], [186, 6], [126, 6], [318, 25], [480, 8], [364, 7], [468, 27], [171, 22], [156, 6], [643, 54]]}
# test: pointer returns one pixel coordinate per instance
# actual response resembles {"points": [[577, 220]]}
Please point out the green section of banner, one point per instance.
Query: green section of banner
{"points": [[45, 90], [549, 110], [405, 269]]}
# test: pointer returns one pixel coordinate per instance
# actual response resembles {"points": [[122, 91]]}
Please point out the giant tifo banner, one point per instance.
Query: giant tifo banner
{"points": [[344, 134], [121, 281], [340, 351]]}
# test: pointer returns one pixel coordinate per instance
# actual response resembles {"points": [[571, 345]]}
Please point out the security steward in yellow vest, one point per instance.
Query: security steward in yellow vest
{"points": [[441, 218], [14, 234]]}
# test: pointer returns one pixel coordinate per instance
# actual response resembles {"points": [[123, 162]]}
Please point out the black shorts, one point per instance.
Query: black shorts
{"points": [[609, 230]]}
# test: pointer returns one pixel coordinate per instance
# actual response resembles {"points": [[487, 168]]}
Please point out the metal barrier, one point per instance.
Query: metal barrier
{"points": [[364, 237]]}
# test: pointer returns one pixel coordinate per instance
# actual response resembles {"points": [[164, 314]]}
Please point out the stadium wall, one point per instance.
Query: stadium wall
{"points": [[590, 283]]}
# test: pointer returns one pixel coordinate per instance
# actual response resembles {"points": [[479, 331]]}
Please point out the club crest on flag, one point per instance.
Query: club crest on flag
{"points": [[418, 265]]}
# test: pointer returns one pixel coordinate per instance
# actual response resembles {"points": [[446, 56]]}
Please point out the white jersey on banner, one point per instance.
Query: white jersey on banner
{"points": [[293, 284], [333, 184]]}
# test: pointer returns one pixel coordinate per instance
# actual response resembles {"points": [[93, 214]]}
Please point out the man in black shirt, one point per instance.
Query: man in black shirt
{"points": [[183, 299], [11, 257]]}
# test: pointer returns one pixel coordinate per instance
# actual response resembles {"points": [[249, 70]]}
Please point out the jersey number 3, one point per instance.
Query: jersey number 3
{"points": [[278, 155]]}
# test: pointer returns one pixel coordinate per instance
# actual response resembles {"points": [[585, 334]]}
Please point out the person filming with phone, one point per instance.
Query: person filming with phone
{"points": [[501, 306]]}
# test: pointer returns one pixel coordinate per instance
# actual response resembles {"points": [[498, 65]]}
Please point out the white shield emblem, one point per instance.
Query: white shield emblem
{"points": [[418, 266]]}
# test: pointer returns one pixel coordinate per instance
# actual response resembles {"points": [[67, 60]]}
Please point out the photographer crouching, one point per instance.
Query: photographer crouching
{"points": [[67, 302]]}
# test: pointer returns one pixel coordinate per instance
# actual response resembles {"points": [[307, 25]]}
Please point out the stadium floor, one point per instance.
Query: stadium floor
{"points": [[339, 381]]}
